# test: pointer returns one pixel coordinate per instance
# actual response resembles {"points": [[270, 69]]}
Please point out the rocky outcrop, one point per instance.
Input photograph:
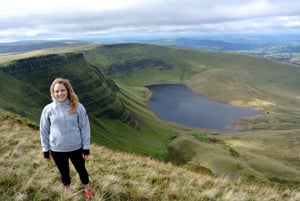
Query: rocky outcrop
{"points": [[34, 63]]}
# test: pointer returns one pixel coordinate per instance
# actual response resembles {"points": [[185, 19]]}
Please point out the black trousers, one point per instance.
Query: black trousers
{"points": [[61, 160]]}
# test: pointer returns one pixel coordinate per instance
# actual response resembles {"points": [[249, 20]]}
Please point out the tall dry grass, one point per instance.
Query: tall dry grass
{"points": [[117, 176]]}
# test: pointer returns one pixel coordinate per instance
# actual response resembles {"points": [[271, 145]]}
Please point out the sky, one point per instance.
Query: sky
{"points": [[73, 19]]}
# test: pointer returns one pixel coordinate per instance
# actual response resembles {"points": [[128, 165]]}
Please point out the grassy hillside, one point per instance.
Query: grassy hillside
{"points": [[251, 156], [264, 150], [236, 79], [26, 176], [114, 123], [230, 78]]}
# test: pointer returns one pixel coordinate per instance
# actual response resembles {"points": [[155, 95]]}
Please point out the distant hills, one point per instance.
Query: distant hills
{"points": [[284, 47], [23, 46], [286, 51], [208, 44]]}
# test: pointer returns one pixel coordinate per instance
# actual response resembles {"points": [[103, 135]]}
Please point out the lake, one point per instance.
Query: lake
{"points": [[177, 103]]}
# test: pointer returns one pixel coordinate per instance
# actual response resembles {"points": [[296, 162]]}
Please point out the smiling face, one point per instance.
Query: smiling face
{"points": [[60, 92]]}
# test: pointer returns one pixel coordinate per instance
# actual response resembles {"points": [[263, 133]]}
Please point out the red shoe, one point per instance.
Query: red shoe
{"points": [[89, 193]]}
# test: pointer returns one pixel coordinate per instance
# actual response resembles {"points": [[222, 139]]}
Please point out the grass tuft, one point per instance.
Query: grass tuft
{"points": [[117, 176]]}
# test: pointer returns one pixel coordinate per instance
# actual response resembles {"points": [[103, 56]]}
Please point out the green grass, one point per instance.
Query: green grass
{"points": [[20, 97], [203, 136], [110, 95], [118, 176], [114, 113]]}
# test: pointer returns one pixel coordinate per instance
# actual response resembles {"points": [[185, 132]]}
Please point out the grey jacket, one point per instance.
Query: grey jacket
{"points": [[64, 132]]}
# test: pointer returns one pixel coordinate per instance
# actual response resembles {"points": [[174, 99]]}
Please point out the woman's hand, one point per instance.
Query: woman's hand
{"points": [[85, 154], [47, 155], [85, 157]]}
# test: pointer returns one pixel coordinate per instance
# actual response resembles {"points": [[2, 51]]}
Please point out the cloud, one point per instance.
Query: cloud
{"points": [[59, 19]]}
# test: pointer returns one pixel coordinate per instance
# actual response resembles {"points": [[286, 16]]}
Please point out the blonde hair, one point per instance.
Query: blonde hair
{"points": [[73, 98]]}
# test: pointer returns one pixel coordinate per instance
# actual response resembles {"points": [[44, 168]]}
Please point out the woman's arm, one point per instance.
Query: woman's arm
{"points": [[45, 132], [84, 126]]}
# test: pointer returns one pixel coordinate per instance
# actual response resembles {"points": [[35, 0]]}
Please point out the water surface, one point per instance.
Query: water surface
{"points": [[177, 103]]}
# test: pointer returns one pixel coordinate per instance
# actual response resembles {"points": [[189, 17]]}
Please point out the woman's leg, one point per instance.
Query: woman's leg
{"points": [[61, 160], [79, 164]]}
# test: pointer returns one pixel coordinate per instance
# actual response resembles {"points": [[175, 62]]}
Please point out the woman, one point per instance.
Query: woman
{"points": [[65, 133]]}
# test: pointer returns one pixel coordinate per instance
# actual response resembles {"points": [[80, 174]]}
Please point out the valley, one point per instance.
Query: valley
{"points": [[121, 119]]}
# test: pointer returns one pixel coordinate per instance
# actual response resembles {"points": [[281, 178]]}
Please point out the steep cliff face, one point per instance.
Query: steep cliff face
{"points": [[34, 63], [96, 91]]}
